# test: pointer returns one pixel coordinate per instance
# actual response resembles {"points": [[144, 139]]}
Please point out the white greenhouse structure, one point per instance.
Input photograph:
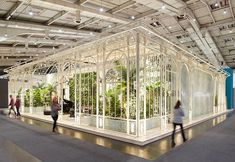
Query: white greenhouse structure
{"points": [[125, 85]]}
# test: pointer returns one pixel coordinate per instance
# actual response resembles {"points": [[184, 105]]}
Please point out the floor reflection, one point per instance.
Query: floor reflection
{"points": [[150, 151]]}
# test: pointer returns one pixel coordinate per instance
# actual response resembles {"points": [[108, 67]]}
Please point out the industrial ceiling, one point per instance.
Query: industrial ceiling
{"points": [[32, 29]]}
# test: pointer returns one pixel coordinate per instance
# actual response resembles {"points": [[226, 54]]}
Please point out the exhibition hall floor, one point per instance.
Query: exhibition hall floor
{"points": [[151, 135], [35, 137]]}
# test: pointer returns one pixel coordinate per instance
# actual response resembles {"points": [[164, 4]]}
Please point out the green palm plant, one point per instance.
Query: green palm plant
{"points": [[88, 90], [152, 91], [41, 95]]}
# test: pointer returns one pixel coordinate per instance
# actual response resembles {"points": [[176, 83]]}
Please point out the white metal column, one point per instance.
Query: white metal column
{"points": [[60, 85], [137, 85], [22, 94], [103, 85], [190, 115], [80, 93], [97, 88], [31, 99], [128, 86], [144, 82], [75, 88]]}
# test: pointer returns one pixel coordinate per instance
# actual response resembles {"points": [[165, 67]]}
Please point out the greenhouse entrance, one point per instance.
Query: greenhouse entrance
{"points": [[123, 86]]}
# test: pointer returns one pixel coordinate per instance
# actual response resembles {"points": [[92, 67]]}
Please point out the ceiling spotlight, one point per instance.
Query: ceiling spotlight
{"points": [[91, 33], [181, 41], [36, 54], [30, 13], [60, 30], [5, 35], [225, 12], [216, 5], [110, 26], [132, 17], [101, 9], [163, 7], [194, 20], [170, 27], [230, 31]]}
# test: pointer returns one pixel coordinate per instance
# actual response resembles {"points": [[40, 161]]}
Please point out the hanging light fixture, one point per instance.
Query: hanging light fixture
{"points": [[78, 17]]}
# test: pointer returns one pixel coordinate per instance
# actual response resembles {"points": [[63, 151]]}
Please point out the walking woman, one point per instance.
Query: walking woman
{"points": [[55, 107], [177, 120], [11, 104], [18, 104]]}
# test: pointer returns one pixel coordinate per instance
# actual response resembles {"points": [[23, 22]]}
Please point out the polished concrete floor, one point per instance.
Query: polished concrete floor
{"points": [[153, 151], [150, 151], [215, 145]]}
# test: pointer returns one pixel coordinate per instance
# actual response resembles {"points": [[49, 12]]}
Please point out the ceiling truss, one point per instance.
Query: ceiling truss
{"points": [[62, 24]]}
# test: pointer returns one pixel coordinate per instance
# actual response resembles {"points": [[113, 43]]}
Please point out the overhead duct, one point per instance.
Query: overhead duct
{"points": [[203, 40], [36, 40], [72, 8], [14, 29], [213, 46], [202, 44]]}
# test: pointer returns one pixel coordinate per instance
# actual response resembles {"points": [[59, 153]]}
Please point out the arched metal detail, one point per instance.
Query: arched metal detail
{"points": [[116, 50]]}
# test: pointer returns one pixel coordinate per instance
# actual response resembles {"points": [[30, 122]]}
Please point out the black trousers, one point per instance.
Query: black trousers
{"points": [[55, 122], [18, 112], [10, 111], [182, 132]]}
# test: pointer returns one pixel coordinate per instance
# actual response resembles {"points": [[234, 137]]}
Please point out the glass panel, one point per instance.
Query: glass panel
{"points": [[185, 93], [202, 84]]}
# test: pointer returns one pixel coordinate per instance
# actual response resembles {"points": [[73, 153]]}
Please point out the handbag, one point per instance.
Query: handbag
{"points": [[58, 107]]}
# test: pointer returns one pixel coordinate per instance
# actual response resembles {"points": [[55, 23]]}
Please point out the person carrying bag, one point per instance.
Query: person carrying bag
{"points": [[55, 107]]}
